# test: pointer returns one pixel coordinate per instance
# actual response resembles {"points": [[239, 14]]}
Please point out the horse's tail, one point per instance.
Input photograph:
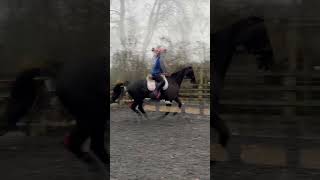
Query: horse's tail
{"points": [[23, 93], [119, 90]]}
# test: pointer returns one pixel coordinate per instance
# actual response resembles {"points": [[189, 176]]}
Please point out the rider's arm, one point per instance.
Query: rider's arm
{"points": [[163, 65]]}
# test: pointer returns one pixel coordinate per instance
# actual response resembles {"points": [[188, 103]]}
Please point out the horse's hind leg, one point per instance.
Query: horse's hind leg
{"points": [[133, 106], [140, 107], [16, 109]]}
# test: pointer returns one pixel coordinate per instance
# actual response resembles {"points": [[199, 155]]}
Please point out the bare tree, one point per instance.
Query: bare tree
{"points": [[118, 17], [178, 23], [122, 23], [154, 18]]}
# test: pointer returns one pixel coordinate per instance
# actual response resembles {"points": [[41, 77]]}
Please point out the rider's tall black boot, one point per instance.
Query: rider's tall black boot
{"points": [[159, 88]]}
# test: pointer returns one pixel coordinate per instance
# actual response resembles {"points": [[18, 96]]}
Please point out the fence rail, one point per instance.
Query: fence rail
{"points": [[192, 93], [275, 109]]}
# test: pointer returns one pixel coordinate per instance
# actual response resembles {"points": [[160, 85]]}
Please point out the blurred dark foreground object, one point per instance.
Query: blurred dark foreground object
{"points": [[82, 87]]}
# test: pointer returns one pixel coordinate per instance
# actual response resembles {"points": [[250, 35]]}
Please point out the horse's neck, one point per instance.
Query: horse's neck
{"points": [[179, 77], [223, 53]]}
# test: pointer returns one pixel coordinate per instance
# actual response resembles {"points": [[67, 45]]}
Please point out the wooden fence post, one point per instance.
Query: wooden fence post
{"points": [[200, 87]]}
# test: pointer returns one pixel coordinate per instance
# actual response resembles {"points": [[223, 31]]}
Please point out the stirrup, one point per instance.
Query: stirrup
{"points": [[156, 94]]}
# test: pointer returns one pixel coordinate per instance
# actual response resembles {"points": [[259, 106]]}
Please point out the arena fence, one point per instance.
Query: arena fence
{"points": [[273, 117]]}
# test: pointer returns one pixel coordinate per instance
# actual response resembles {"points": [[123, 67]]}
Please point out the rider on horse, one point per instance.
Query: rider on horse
{"points": [[158, 69]]}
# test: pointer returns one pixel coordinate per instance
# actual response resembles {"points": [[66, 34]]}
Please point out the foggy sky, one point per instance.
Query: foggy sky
{"points": [[137, 9]]}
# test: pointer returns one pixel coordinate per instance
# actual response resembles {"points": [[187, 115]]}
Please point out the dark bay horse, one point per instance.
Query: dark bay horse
{"points": [[250, 33], [81, 86], [138, 90]]}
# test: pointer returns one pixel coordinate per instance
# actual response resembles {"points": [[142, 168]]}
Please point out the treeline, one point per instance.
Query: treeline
{"points": [[129, 65]]}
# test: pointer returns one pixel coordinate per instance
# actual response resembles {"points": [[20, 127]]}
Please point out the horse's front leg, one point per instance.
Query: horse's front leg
{"points": [[177, 99], [168, 105], [140, 107], [218, 124], [166, 113]]}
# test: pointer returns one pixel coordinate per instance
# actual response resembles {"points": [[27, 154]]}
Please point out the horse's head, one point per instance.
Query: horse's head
{"points": [[253, 35], [117, 91], [190, 74]]}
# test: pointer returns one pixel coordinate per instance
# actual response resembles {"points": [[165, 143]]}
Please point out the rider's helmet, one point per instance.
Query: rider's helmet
{"points": [[158, 50]]}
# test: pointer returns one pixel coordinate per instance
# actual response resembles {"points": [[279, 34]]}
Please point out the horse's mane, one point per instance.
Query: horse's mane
{"points": [[177, 72]]}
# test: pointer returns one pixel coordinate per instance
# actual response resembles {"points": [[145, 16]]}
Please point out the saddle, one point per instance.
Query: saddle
{"points": [[151, 84]]}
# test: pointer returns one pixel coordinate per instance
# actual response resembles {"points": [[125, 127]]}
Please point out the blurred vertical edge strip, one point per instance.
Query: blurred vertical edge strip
{"points": [[107, 48], [211, 87]]}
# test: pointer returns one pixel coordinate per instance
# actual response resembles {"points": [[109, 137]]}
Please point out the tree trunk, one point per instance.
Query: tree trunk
{"points": [[152, 24], [121, 24]]}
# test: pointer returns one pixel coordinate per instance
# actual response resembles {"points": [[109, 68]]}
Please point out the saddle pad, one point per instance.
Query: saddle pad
{"points": [[151, 84]]}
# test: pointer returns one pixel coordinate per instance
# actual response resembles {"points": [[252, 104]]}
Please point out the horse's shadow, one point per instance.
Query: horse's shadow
{"points": [[94, 167], [175, 114], [143, 117]]}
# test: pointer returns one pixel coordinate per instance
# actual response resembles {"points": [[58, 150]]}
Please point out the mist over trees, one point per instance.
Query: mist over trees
{"points": [[183, 27], [38, 32]]}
